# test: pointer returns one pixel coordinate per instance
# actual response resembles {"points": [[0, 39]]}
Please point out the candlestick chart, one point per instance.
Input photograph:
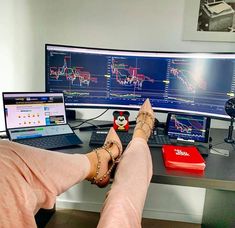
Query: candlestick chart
{"points": [[174, 81], [71, 74], [136, 77], [76, 76], [187, 126]]}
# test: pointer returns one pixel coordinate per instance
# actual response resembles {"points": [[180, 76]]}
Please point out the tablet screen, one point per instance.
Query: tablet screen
{"points": [[188, 127]]}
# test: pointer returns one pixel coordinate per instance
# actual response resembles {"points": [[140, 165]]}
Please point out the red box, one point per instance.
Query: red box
{"points": [[183, 157]]}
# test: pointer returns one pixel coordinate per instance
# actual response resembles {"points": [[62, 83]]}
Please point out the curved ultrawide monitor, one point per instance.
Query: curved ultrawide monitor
{"points": [[198, 83]]}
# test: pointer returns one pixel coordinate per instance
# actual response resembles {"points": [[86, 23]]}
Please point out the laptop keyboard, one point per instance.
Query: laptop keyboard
{"points": [[52, 142], [98, 138]]}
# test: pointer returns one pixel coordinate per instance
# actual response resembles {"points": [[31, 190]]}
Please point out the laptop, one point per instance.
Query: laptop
{"points": [[38, 119]]}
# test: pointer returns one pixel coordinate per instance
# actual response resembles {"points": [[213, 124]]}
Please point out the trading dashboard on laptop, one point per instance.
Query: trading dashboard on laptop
{"points": [[33, 109]]}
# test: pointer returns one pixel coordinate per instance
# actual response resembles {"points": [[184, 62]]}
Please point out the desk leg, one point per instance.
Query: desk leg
{"points": [[219, 209], [43, 216]]}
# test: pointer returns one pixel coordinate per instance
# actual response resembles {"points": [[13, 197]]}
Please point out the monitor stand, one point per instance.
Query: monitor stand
{"points": [[203, 149], [185, 141], [230, 139]]}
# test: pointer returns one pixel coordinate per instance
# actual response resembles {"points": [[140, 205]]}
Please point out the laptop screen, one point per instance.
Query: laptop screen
{"points": [[30, 115], [33, 109]]}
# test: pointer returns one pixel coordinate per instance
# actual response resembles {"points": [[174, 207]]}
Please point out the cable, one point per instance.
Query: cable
{"points": [[233, 146], [86, 121], [217, 144], [211, 146], [3, 135]]}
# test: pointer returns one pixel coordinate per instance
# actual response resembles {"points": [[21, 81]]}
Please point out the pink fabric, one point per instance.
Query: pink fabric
{"points": [[31, 179], [125, 201]]}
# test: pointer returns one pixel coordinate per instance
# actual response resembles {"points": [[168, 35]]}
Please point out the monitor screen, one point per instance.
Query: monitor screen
{"points": [[198, 83], [188, 127]]}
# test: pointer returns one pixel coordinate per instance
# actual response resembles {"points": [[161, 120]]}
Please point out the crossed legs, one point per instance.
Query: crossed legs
{"points": [[31, 178]]}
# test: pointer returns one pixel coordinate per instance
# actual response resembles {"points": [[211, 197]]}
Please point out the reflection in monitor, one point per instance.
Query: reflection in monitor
{"points": [[188, 127], [198, 83]]}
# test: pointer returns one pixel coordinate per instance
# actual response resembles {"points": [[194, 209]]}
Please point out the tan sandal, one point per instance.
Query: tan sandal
{"points": [[104, 180], [141, 122], [145, 119]]}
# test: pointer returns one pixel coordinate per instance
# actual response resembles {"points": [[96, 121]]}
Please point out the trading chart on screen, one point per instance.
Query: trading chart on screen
{"points": [[173, 81], [188, 127]]}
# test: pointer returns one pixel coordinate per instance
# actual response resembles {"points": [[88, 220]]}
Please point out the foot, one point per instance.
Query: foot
{"points": [[144, 121], [104, 159]]}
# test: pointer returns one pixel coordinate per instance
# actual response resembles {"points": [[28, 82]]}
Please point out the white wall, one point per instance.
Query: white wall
{"points": [[17, 50], [26, 25], [167, 202]]}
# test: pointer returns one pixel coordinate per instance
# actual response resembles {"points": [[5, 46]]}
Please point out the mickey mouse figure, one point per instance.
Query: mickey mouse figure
{"points": [[120, 122]]}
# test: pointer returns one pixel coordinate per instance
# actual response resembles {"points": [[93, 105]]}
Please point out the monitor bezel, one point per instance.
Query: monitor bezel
{"points": [[134, 107]]}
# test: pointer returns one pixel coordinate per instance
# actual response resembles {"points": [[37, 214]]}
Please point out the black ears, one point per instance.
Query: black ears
{"points": [[126, 114]]}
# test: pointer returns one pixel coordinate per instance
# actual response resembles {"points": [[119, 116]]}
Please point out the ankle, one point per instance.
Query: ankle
{"points": [[140, 133], [115, 147], [104, 158], [93, 164]]}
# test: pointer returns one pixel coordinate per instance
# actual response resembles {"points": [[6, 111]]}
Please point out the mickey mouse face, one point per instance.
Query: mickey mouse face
{"points": [[121, 121], [124, 114]]}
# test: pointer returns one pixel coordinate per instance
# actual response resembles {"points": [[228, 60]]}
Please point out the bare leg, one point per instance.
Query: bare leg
{"points": [[125, 201]]}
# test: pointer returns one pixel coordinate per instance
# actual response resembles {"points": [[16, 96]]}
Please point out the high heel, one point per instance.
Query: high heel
{"points": [[145, 119], [111, 140]]}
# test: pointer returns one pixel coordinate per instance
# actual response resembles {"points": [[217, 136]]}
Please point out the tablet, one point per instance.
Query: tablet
{"points": [[187, 127]]}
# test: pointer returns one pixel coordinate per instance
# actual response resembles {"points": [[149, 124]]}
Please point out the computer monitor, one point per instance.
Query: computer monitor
{"points": [[198, 83]]}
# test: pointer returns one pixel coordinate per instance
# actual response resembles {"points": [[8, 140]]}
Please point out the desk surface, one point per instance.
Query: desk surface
{"points": [[219, 172]]}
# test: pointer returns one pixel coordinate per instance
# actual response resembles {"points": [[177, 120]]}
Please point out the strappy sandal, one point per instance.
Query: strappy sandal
{"points": [[104, 180], [145, 119]]}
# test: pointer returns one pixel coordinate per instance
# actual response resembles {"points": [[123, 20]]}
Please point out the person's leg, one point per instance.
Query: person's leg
{"points": [[125, 201], [31, 178]]}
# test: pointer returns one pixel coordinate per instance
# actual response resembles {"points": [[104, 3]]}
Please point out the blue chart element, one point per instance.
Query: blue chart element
{"points": [[70, 70], [133, 77], [199, 83], [188, 127]]}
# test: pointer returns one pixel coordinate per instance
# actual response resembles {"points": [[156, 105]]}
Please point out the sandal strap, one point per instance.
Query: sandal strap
{"points": [[95, 179], [110, 142], [109, 152], [143, 122]]}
